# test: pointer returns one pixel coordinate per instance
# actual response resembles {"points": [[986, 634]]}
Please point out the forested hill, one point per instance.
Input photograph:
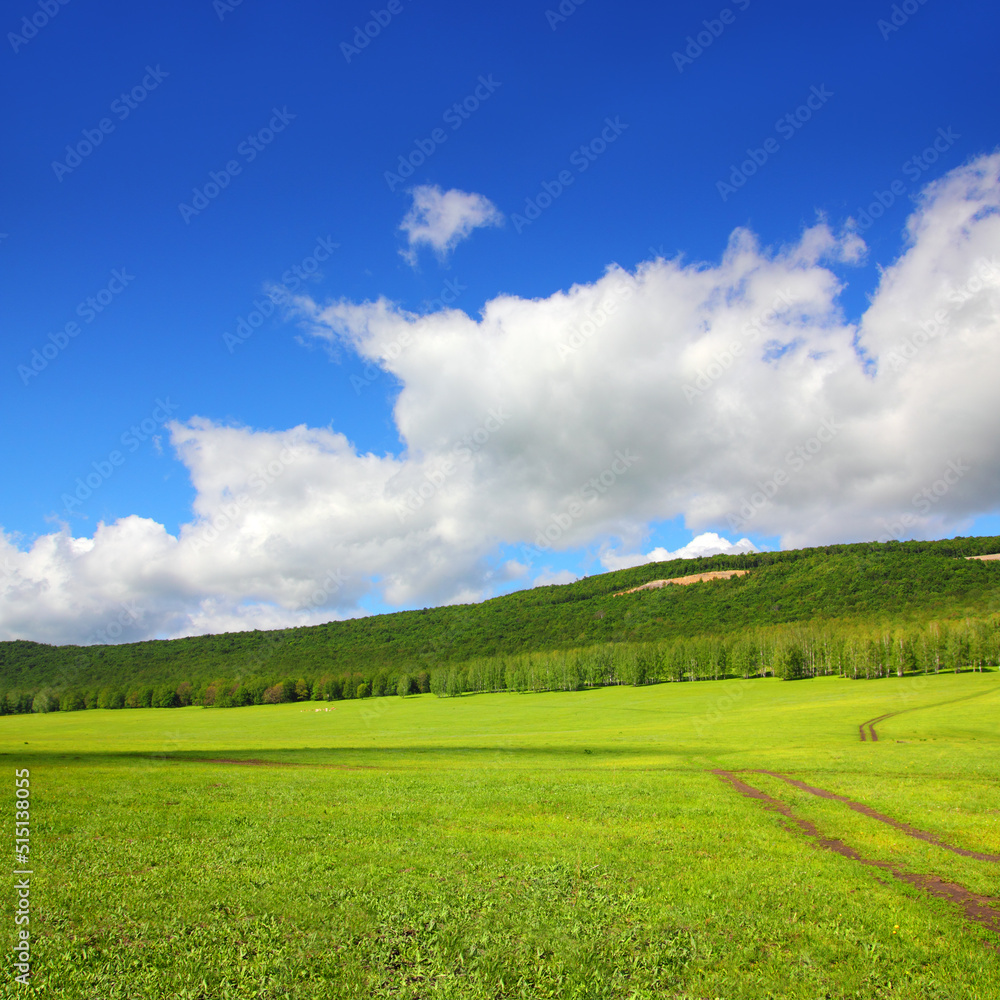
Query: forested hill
{"points": [[868, 583]]}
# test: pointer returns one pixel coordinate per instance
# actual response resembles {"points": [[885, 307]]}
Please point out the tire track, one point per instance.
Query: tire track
{"points": [[873, 736], [910, 831], [978, 909]]}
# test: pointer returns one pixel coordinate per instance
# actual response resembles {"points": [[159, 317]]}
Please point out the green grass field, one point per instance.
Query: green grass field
{"points": [[571, 845]]}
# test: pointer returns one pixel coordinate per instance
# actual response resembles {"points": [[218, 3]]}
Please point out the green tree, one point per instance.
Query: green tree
{"points": [[679, 659], [20, 702], [45, 701], [224, 697], [439, 683], [72, 701], [791, 664], [111, 698], [212, 692], [957, 647], [164, 696]]}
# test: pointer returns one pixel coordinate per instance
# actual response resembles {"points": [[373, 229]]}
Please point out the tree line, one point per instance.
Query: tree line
{"points": [[790, 652]]}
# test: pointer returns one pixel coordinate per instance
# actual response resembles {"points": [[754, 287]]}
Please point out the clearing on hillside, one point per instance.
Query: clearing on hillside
{"points": [[683, 581]]}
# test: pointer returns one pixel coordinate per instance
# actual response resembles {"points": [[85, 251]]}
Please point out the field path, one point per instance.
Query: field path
{"points": [[910, 831], [873, 736], [978, 909]]}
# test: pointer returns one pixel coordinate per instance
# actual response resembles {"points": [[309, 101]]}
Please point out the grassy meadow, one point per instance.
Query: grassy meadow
{"points": [[571, 845]]}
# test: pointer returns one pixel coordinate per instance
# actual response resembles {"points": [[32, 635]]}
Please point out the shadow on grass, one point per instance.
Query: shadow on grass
{"points": [[370, 758]]}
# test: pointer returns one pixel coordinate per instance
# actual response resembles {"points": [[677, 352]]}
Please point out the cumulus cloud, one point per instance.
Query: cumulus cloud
{"points": [[549, 578], [442, 219], [706, 544], [733, 394]]}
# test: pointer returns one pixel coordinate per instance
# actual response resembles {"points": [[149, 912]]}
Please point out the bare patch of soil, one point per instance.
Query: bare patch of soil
{"points": [[684, 581]]}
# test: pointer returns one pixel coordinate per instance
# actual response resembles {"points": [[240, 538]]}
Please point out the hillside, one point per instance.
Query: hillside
{"points": [[868, 583]]}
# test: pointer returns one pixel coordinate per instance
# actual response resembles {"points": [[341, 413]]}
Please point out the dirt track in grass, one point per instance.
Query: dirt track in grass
{"points": [[873, 735], [977, 909], [910, 831]]}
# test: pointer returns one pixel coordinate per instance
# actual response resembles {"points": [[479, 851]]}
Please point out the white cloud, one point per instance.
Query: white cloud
{"points": [[548, 577], [706, 544], [442, 219], [730, 393]]}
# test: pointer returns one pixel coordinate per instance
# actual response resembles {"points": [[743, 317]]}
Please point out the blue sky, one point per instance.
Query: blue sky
{"points": [[672, 127]]}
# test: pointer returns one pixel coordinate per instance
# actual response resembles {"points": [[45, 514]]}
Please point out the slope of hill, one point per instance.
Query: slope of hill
{"points": [[884, 584]]}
